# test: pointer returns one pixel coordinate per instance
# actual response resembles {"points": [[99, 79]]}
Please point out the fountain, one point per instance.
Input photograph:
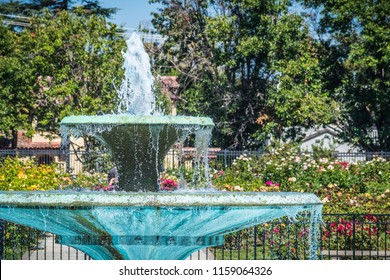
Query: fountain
{"points": [[138, 221]]}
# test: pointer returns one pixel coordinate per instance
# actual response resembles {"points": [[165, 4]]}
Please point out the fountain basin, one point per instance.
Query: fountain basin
{"points": [[138, 144], [149, 225]]}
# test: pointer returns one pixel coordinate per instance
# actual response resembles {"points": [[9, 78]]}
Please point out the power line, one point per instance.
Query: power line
{"points": [[145, 36], [16, 23], [14, 16]]}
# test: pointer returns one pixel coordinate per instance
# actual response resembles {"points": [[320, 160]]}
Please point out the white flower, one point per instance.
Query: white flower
{"points": [[325, 200], [324, 160]]}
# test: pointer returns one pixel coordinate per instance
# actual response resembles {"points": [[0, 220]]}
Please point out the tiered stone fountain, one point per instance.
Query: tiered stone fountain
{"points": [[139, 222]]}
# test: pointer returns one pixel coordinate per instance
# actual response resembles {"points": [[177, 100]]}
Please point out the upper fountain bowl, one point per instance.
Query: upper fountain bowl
{"points": [[123, 119], [138, 143]]}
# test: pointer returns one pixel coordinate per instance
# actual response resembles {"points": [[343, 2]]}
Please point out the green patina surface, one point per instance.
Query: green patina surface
{"points": [[57, 199], [132, 119]]}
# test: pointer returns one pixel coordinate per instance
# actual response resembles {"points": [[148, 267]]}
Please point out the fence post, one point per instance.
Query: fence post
{"points": [[2, 228], [353, 236], [255, 243], [67, 154]]}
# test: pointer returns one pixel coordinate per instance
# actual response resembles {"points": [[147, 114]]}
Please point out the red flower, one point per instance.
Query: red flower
{"points": [[168, 184], [292, 250], [371, 218], [334, 224], [341, 228]]}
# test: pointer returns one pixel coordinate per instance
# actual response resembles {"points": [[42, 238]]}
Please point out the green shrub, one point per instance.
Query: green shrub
{"points": [[19, 175]]}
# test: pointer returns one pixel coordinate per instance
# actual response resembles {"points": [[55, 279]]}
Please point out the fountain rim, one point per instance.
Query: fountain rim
{"points": [[123, 119], [159, 199]]}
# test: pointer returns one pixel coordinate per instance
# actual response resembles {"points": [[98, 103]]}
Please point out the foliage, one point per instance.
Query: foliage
{"points": [[19, 175], [58, 67], [280, 239], [250, 65], [362, 187], [362, 232], [75, 60], [32, 7], [18, 239], [87, 181], [355, 60], [15, 79]]}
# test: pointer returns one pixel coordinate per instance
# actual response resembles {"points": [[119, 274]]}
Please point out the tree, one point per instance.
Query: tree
{"points": [[76, 61], [355, 37], [32, 7], [244, 63], [60, 66], [15, 79]]}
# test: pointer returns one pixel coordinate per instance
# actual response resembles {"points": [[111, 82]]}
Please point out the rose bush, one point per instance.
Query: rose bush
{"points": [[362, 187]]}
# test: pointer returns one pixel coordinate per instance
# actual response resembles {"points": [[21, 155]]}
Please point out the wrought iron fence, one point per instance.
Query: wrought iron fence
{"points": [[100, 161], [343, 236]]}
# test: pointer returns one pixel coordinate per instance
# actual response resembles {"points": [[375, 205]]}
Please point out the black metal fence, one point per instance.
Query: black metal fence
{"points": [[100, 161], [343, 236]]}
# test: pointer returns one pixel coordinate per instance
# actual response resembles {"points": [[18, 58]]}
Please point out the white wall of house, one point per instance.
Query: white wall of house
{"points": [[46, 138], [327, 140]]}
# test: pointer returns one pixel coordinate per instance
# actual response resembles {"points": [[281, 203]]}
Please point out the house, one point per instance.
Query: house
{"points": [[170, 86], [45, 148], [327, 138]]}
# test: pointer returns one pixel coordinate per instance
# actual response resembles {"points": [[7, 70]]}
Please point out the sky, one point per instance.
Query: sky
{"points": [[131, 13]]}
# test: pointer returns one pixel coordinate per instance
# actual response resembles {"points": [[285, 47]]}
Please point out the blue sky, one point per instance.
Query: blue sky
{"points": [[131, 13]]}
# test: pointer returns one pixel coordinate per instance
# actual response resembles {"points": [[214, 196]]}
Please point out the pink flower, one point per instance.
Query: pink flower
{"points": [[168, 184], [344, 164], [268, 183]]}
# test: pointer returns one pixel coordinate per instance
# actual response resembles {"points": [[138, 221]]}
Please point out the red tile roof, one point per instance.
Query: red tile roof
{"points": [[25, 142]]}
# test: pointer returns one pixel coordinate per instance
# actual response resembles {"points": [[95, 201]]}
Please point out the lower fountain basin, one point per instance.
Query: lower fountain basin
{"points": [[149, 225]]}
